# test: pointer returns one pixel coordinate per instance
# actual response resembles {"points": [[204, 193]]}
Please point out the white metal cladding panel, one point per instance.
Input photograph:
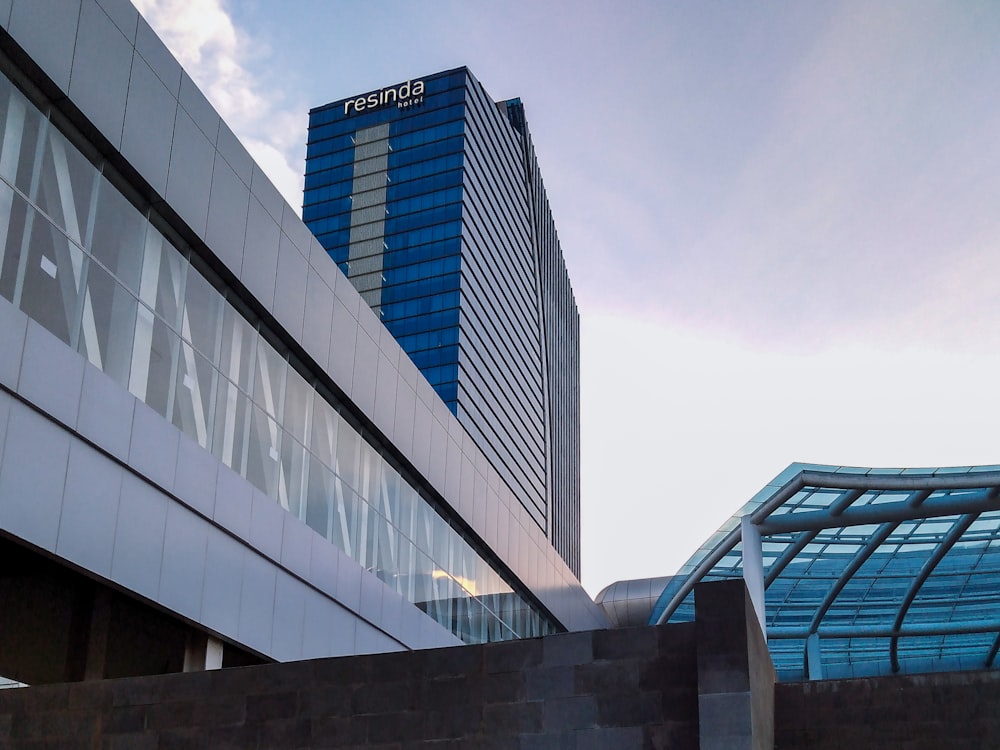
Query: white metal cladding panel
{"points": [[139, 515], [48, 30]]}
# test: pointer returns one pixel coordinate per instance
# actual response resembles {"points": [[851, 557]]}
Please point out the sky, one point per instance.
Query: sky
{"points": [[781, 219]]}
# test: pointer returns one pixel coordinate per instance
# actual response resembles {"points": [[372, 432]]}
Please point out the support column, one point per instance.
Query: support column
{"points": [[202, 652], [753, 569], [89, 626], [814, 661], [97, 643]]}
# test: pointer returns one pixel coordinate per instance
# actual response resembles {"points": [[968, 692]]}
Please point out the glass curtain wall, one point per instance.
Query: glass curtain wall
{"points": [[80, 259]]}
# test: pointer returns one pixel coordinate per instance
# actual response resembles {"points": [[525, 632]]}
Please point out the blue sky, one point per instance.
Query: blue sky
{"points": [[781, 220]]}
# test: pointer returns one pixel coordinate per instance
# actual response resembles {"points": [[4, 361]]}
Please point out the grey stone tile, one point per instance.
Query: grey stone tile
{"points": [[234, 153], [318, 320], [298, 233], [385, 395], [409, 627], [453, 475], [433, 635], [321, 262], [629, 709], [724, 716], [492, 522], [266, 521], [546, 683], [257, 602], [233, 498], [199, 108], [90, 510], [343, 632], [579, 712], [317, 626], [548, 741], [5, 402], [51, 375], [289, 618], [370, 322], [402, 428], [36, 453], [106, 413], [324, 564], [422, 441], [390, 347], [153, 449], [408, 371], [183, 573], [46, 29], [260, 254], [158, 57], [196, 477], [468, 481], [189, 178], [365, 369], [150, 111], [124, 15], [371, 641], [568, 649], [227, 216], [265, 191], [290, 287], [99, 81], [347, 294], [349, 584], [371, 597], [13, 328], [220, 600], [296, 545], [138, 550], [391, 618], [620, 738], [438, 465], [479, 492], [343, 345]]}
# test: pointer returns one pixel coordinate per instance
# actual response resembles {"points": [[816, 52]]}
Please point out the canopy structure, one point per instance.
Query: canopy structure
{"points": [[861, 572]]}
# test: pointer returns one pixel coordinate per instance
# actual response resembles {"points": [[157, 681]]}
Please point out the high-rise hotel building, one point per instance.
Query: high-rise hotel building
{"points": [[212, 451], [428, 196]]}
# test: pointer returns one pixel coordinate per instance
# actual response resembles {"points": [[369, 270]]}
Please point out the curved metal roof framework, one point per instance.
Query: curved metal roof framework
{"points": [[864, 571]]}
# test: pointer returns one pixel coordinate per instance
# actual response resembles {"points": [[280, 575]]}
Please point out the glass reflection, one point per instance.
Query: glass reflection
{"points": [[84, 262]]}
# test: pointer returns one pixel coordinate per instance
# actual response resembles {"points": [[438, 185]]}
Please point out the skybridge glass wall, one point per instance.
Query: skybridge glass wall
{"points": [[113, 282]]}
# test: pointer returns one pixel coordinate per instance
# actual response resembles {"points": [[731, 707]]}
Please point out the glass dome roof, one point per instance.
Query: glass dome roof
{"points": [[866, 571]]}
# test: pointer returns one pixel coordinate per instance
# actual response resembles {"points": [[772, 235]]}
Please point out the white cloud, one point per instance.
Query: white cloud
{"points": [[219, 57]]}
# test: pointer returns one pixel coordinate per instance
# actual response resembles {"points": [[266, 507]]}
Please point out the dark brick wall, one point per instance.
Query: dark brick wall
{"points": [[700, 685], [632, 688], [915, 712], [735, 673]]}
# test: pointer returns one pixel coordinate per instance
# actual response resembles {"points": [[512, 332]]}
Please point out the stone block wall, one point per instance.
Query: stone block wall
{"points": [[944, 711], [634, 688], [706, 684], [735, 674]]}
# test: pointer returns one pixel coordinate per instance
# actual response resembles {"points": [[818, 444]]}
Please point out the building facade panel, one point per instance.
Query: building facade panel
{"points": [[117, 281], [99, 86], [150, 112]]}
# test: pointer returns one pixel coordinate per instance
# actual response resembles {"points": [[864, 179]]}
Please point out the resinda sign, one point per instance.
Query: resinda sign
{"points": [[404, 95]]}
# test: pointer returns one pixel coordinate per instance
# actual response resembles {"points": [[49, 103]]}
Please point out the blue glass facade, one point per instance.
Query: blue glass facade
{"points": [[386, 202], [428, 196], [104, 273]]}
